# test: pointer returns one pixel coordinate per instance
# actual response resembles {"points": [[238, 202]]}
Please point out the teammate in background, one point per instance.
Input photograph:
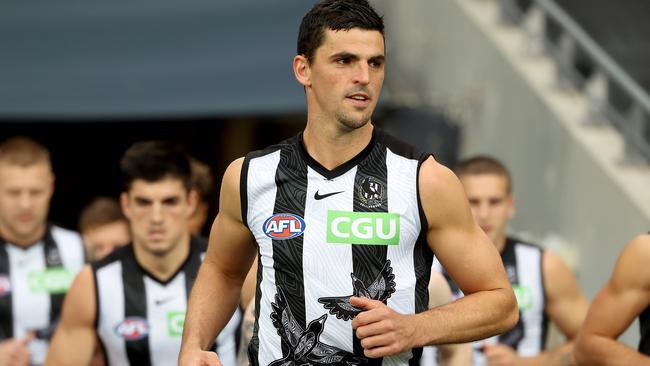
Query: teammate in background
{"points": [[134, 300], [37, 260], [345, 220], [103, 227], [544, 285], [202, 182], [623, 298]]}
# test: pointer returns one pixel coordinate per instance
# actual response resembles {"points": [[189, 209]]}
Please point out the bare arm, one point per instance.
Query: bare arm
{"points": [[466, 253], [74, 339], [448, 354], [566, 306], [216, 291], [622, 299], [489, 306]]}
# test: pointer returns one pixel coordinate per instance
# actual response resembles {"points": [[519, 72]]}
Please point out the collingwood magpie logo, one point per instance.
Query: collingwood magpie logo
{"points": [[380, 289], [303, 344], [371, 192]]}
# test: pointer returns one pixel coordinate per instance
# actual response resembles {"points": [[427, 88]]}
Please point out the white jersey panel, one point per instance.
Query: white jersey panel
{"points": [[258, 191], [31, 305], [166, 306], [320, 258], [70, 247], [111, 297], [531, 299], [402, 197]]}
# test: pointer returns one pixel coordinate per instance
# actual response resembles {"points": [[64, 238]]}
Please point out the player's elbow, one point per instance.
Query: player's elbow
{"points": [[584, 350], [510, 315]]}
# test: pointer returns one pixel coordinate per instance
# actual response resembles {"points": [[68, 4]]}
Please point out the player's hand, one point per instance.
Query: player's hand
{"points": [[199, 358], [382, 331], [15, 351], [500, 355]]}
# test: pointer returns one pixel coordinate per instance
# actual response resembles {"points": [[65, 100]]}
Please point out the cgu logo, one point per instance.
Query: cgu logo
{"points": [[373, 228], [283, 226], [132, 328]]}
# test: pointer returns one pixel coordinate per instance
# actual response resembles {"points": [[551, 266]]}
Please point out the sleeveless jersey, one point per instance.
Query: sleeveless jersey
{"points": [[325, 235], [523, 264], [33, 282], [140, 319]]}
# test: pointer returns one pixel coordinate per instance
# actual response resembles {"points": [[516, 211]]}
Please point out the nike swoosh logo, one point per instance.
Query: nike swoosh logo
{"points": [[319, 197], [163, 300]]}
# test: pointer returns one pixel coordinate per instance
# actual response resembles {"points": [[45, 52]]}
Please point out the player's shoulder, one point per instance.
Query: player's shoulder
{"points": [[65, 237], [117, 255]]}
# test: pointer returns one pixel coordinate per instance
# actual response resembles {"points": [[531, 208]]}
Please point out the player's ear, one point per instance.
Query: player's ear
{"points": [[302, 70]]}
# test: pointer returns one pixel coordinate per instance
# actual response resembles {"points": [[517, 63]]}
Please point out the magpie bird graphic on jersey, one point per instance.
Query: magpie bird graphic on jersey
{"points": [[303, 344], [380, 289]]}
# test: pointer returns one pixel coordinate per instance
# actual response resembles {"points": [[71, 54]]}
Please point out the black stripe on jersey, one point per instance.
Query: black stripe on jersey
{"points": [[254, 345], [291, 183], [368, 260], [243, 192], [135, 305], [422, 261], [6, 310], [545, 315], [509, 257], [53, 259]]}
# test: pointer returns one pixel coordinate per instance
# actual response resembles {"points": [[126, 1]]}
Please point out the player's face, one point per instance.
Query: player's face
{"points": [[158, 213], [102, 240], [345, 76], [492, 206], [25, 193]]}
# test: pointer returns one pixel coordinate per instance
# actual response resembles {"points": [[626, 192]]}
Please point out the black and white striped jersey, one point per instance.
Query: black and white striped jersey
{"points": [[326, 235], [140, 319], [523, 264], [33, 283]]}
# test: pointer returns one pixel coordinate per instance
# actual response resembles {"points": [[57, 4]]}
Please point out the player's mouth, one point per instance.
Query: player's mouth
{"points": [[359, 99]]}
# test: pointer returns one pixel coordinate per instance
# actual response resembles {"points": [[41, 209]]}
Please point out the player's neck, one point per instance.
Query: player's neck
{"points": [[333, 146], [23, 241], [163, 266], [500, 242]]}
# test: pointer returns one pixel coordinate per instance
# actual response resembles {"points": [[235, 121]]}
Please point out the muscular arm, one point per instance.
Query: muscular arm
{"points": [[621, 300], [216, 291], [463, 249], [448, 354], [74, 340], [566, 306], [467, 254]]}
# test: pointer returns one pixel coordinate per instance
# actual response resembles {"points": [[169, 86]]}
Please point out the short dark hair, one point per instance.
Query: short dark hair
{"points": [[335, 15], [23, 151], [152, 161], [483, 164], [99, 212], [202, 179]]}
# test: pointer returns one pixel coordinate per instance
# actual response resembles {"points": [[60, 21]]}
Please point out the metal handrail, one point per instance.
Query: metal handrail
{"points": [[602, 59]]}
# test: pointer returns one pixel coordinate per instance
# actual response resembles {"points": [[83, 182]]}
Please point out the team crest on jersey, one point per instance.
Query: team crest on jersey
{"points": [[283, 226], [132, 328], [371, 192], [5, 285]]}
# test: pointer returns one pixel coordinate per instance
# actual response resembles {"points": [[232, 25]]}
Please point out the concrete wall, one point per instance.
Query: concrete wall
{"points": [[572, 192]]}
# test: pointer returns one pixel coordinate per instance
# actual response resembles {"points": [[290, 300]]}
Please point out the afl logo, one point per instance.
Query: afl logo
{"points": [[283, 226], [5, 285], [132, 328]]}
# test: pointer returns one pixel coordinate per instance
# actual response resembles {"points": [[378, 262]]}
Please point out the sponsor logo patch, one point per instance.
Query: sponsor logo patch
{"points": [[175, 322], [5, 285], [524, 296], [55, 280], [132, 328], [373, 228], [283, 226]]}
